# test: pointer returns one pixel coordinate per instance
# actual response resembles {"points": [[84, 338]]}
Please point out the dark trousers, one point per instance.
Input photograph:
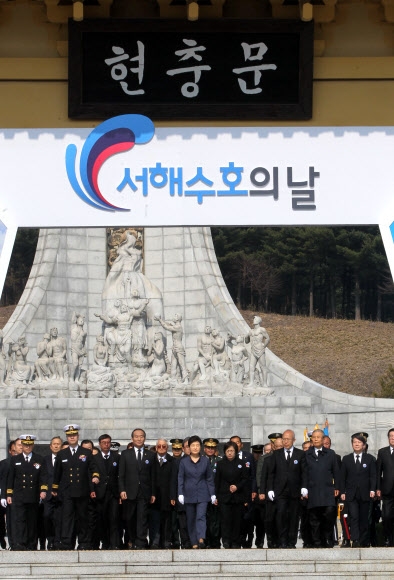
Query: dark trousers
{"points": [[75, 520], [270, 524], [359, 520], [287, 516], [388, 518], [196, 515], [52, 521], [10, 521], [213, 526], [230, 524], [107, 509], [26, 515], [259, 523], [304, 525], [180, 535], [159, 527], [322, 520], [137, 519]]}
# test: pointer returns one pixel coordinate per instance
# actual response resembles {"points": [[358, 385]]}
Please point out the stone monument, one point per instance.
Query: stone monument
{"points": [[144, 331]]}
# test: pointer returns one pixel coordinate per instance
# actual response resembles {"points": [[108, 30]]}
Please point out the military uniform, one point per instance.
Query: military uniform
{"points": [[74, 470], [26, 479]]}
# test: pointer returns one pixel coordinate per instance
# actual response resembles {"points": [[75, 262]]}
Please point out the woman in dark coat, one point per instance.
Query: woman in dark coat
{"points": [[231, 481], [196, 489]]}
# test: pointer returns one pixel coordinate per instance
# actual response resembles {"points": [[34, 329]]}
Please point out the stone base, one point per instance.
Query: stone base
{"points": [[331, 564]]}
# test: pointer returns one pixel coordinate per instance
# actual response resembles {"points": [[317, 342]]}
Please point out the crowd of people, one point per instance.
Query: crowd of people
{"points": [[93, 497]]}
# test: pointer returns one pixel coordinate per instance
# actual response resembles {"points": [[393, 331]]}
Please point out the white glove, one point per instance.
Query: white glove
{"points": [[213, 499], [181, 499], [4, 503], [271, 495], [304, 492]]}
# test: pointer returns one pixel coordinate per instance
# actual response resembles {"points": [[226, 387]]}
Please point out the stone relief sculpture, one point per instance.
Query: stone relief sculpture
{"points": [[3, 361], [178, 360], [22, 370], [239, 355], [259, 340], [130, 357], [78, 350], [220, 360], [41, 366], [57, 351]]}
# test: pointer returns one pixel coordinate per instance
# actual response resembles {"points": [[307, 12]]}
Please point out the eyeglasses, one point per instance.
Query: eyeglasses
{"points": [[161, 446]]}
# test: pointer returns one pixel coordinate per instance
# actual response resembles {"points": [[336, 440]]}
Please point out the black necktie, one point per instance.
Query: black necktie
{"points": [[288, 455], [73, 451], [358, 462], [139, 458], [161, 461], [106, 456]]}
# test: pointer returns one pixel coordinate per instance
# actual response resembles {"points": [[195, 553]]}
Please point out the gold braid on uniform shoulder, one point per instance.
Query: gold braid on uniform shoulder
{"points": [[44, 488], [96, 475], [10, 491], [55, 486]]}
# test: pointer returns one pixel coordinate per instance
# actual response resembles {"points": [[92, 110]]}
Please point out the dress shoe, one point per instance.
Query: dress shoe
{"points": [[155, 547], [345, 544], [202, 545], [3, 543], [356, 544]]}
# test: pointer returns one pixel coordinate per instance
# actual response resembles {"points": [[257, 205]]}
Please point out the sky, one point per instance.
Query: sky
{"points": [[3, 230]]}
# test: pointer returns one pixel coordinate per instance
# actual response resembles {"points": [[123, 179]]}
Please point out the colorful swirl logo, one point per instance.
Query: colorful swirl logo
{"points": [[115, 135]]}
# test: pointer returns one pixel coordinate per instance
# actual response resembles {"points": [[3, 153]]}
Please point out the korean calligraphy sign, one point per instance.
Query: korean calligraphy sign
{"points": [[169, 70]]}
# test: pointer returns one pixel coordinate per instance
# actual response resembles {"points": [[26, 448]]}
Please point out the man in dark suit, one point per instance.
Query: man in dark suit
{"points": [[385, 487], [14, 448], [270, 507], [107, 494], [136, 486], [75, 475], [323, 488], [51, 504], [161, 509], [286, 485], [26, 485], [250, 493], [358, 484]]}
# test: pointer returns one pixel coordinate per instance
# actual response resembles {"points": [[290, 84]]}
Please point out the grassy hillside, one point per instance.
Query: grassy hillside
{"points": [[345, 355]]}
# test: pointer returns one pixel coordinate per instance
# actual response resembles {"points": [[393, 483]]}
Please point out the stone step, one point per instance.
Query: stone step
{"points": [[363, 564]]}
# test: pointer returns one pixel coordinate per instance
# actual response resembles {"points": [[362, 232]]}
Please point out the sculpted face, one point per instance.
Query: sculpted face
{"points": [[257, 320], [123, 308], [54, 332], [208, 330]]}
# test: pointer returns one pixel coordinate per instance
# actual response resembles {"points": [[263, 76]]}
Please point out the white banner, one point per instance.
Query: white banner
{"points": [[126, 172]]}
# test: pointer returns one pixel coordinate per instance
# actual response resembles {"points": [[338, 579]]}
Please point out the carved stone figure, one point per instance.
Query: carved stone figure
{"points": [[119, 340], [205, 352], [259, 340], [41, 366], [22, 370], [101, 381], [157, 357], [100, 352], [3, 362], [220, 359], [78, 350], [57, 351], [239, 355], [137, 308], [126, 283], [178, 352]]}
